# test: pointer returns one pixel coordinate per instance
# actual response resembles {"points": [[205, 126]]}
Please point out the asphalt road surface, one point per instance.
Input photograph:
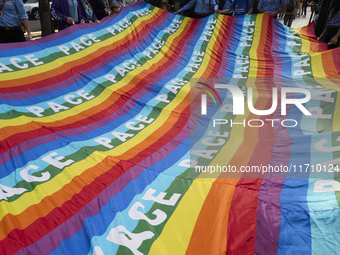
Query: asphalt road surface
{"points": [[35, 25]]}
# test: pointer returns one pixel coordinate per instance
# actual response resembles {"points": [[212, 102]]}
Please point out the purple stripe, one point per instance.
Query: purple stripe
{"points": [[275, 50], [51, 87], [225, 59], [29, 144], [52, 240], [63, 33], [269, 206]]}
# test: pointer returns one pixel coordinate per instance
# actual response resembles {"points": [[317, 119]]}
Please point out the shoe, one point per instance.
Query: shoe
{"points": [[303, 16]]}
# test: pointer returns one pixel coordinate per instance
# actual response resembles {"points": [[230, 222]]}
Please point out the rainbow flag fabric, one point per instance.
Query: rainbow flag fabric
{"points": [[103, 133]]}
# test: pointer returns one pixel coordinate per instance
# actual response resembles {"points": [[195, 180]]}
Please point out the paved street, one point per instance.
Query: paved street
{"points": [[301, 22], [35, 25]]}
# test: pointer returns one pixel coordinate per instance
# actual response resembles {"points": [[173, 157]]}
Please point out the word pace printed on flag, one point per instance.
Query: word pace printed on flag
{"points": [[121, 236], [303, 101], [238, 105]]}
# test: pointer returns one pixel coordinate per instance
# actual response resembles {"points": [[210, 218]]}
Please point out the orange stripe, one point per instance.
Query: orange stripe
{"points": [[32, 213], [211, 220], [328, 63], [214, 216], [24, 219], [107, 104], [94, 57]]}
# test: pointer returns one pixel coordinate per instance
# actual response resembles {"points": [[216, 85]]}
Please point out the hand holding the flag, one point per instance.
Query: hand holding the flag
{"points": [[69, 20], [273, 14], [334, 40], [107, 11], [29, 37]]}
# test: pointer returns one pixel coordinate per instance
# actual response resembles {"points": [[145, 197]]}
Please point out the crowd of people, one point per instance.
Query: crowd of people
{"points": [[69, 12], [276, 8]]}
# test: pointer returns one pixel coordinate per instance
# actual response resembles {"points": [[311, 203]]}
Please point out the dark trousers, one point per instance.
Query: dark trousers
{"points": [[198, 16], [288, 19], [10, 36], [329, 34]]}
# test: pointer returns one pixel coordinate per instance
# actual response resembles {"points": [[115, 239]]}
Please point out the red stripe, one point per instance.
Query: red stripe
{"points": [[243, 209], [19, 138], [336, 73], [59, 215], [243, 213], [63, 213], [144, 27]]}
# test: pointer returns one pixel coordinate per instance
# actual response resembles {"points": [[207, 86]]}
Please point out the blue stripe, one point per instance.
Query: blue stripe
{"points": [[108, 211]]}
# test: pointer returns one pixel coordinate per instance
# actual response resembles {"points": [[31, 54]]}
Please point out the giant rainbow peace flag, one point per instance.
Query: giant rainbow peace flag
{"points": [[97, 140]]}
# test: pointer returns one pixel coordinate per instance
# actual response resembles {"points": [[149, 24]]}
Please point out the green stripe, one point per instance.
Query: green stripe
{"points": [[206, 91]]}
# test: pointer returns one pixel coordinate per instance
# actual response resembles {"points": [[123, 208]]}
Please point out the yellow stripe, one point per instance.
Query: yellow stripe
{"points": [[171, 241], [176, 234], [103, 96], [305, 47], [48, 188], [316, 65], [253, 66], [62, 61], [68, 173], [77, 168], [297, 30]]}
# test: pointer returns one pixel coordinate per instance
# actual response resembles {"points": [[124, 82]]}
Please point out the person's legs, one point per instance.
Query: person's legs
{"points": [[11, 36], [304, 10], [290, 20], [280, 15], [18, 35], [2, 36], [285, 20], [299, 10]]}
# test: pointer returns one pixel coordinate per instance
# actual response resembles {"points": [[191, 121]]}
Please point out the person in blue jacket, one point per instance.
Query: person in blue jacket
{"points": [[240, 7], [223, 5], [86, 12], [12, 13], [120, 2], [202, 8], [65, 12], [273, 7]]}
